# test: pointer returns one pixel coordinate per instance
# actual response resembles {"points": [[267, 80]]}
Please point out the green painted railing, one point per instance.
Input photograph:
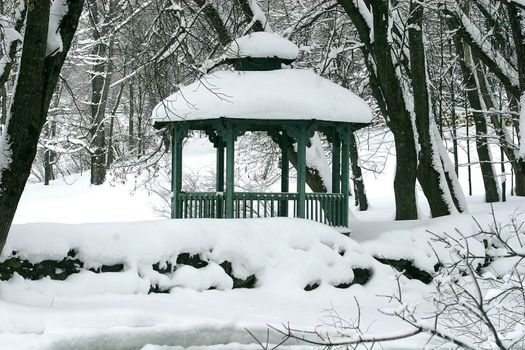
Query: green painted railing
{"points": [[326, 208]]}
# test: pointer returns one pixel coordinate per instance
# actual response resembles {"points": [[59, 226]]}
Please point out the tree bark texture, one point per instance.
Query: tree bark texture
{"points": [[37, 79]]}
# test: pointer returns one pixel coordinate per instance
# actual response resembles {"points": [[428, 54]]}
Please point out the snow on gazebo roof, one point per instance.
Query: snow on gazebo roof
{"points": [[284, 94], [262, 45]]}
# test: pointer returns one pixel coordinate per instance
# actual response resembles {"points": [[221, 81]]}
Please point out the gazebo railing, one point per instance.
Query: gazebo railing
{"points": [[326, 208], [197, 205], [264, 205]]}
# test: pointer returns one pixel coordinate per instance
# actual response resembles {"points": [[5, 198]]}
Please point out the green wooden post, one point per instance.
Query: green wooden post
{"points": [[230, 171], [285, 174], [301, 173], [176, 171], [219, 185], [336, 164], [345, 174]]}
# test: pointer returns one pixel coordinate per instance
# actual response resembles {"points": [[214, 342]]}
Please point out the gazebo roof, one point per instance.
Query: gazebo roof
{"points": [[262, 45], [284, 94]]}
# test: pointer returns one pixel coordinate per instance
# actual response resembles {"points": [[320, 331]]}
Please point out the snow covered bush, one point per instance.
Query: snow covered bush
{"points": [[478, 300]]}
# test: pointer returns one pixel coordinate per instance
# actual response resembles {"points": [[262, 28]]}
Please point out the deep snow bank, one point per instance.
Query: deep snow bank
{"points": [[199, 254]]}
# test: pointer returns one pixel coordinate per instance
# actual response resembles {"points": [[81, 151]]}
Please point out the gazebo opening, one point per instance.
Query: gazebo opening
{"points": [[264, 94]]}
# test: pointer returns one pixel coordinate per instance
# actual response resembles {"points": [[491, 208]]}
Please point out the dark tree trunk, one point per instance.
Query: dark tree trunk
{"points": [[3, 116], [245, 6], [100, 80], [7, 71], [215, 20], [429, 170], [49, 155], [359, 184], [517, 23], [111, 155], [468, 69], [131, 122], [387, 91], [518, 165], [37, 79]]}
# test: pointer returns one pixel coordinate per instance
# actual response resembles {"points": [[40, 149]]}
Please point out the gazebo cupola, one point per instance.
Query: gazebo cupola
{"points": [[290, 105], [260, 51]]}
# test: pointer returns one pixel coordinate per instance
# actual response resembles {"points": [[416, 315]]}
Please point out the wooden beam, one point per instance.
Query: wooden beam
{"points": [[230, 171], [285, 174], [336, 163], [345, 174], [177, 136], [219, 174], [301, 173]]}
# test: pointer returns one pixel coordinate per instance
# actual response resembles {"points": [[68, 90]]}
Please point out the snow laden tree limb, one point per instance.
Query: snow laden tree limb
{"points": [[253, 12], [482, 48], [394, 53], [214, 18], [512, 78], [11, 39], [517, 24], [36, 81], [178, 39], [472, 84]]}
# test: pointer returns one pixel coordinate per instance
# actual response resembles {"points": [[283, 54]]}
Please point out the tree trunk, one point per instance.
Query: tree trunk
{"points": [[470, 78], [388, 92], [430, 172], [131, 123], [49, 155], [3, 116], [36, 81], [110, 157], [518, 164], [100, 82], [359, 184]]}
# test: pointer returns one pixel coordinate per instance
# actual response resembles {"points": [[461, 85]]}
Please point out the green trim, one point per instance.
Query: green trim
{"points": [[219, 172], [345, 175], [230, 171], [301, 174], [177, 135], [336, 163], [321, 207], [260, 124]]}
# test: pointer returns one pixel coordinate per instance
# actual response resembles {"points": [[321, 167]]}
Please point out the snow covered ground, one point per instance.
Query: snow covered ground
{"points": [[113, 310]]}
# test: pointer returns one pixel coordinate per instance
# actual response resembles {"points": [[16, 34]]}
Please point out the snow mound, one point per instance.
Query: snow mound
{"points": [[262, 45], [284, 94], [276, 253], [429, 245]]}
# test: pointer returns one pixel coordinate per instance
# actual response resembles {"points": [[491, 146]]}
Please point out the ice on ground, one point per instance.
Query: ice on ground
{"points": [[262, 45], [285, 94]]}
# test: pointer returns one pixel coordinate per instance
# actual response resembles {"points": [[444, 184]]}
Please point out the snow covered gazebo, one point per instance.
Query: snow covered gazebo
{"points": [[290, 105]]}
